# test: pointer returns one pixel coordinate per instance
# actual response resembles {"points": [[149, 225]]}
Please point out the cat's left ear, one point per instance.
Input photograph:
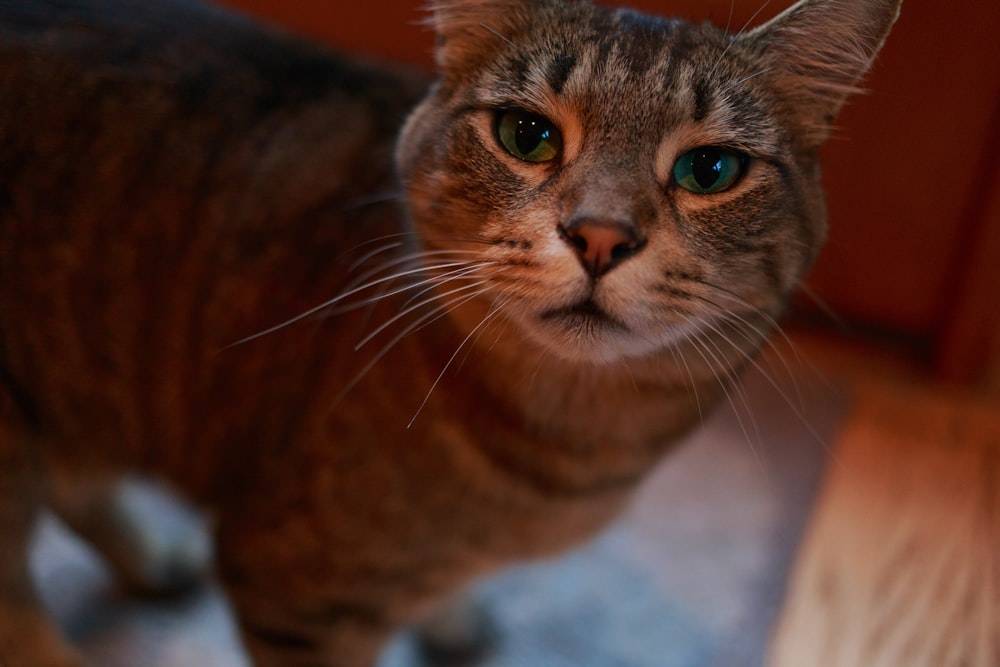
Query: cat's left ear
{"points": [[470, 31], [818, 50]]}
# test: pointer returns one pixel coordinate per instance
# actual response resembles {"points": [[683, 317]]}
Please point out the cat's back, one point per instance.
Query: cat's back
{"points": [[174, 177], [149, 131], [84, 80]]}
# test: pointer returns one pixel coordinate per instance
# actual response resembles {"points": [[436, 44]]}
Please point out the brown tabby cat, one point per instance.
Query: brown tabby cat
{"points": [[383, 378]]}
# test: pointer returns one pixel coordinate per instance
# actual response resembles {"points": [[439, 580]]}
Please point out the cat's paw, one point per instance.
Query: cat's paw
{"points": [[457, 635], [156, 544], [163, 547]]}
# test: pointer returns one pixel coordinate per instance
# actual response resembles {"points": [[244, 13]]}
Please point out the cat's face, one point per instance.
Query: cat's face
{"points": [[617, 182]]}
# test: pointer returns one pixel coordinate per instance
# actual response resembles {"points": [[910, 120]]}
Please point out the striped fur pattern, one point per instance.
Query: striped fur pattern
{"points": [[383, 379]]}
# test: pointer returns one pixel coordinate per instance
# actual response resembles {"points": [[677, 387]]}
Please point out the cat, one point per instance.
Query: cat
{"points": [[392, 334]]}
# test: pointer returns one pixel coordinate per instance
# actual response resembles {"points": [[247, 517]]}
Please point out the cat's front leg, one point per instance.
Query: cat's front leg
{"points": [[155, 543], [28, 637], [292, 609], [458, 632]]}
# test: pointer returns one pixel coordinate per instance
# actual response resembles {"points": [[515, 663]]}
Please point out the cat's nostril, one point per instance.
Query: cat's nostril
{"points": [[601, 246]]}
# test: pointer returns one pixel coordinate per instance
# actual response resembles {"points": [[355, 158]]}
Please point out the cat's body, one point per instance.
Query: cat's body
{"points": [[174, 181]]}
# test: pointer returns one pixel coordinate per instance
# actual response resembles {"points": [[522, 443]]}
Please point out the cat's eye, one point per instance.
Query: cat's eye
{"points": [[528, 136], [709, 169]]}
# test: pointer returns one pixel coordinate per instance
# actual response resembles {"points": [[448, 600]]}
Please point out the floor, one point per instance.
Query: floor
{"points": [[901, 561], [710, 558]]}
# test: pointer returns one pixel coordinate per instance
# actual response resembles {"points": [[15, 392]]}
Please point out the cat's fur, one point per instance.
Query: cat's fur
{"points": [[174, 180]]}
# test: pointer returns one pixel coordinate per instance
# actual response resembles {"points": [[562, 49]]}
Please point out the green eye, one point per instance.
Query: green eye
{"points": [[709, 169], [528, 136]]}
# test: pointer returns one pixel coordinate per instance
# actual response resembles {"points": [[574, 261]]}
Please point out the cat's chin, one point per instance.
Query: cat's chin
{"points": [[585, 334]]}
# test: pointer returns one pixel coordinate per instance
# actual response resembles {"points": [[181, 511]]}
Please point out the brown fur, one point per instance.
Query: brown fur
{"points": [[175, 182]]}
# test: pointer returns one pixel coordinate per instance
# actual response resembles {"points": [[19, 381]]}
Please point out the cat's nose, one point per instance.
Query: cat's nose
{"points": [[600, 246]]}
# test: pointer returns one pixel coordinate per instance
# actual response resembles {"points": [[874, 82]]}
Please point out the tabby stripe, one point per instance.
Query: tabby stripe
{"points": [[559, 71], [702, 101]]}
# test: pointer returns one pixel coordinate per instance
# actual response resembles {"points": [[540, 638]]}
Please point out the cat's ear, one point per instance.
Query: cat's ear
{"points": [[470, 31], [818, 50]]}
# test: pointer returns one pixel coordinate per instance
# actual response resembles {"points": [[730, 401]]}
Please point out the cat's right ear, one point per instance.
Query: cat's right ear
{"points": [[471, 31]]}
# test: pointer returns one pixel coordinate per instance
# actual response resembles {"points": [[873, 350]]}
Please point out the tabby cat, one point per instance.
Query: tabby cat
{"points": [[385, 367]]}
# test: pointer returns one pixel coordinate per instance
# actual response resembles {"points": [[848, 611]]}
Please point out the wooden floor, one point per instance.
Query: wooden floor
{"points": [[900, 565]]}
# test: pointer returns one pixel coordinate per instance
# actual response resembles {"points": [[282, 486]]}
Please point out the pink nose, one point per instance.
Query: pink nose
{"points": [[601, 246]]}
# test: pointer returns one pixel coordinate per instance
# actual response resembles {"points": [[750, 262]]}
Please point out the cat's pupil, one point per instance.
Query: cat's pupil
{"points": [[706, 167], [529, 133], [528, 136]]}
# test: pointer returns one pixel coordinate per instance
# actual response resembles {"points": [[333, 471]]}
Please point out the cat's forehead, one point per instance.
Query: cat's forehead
{"points": [[623, 67]]}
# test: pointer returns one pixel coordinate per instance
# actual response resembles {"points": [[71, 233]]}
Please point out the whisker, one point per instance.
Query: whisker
{"points": [[427, 284], [729, 382], [488, 28], [406, 259], [742, 325], [335, 300], [734, 37], [732, 10], [416, 306], [494, 310], [421, 322], [680, 360], [776, 327], [798, 409], [748, 77], [447, 277], [374, 253], [373, 198], [726, 382], [826, 309], [763, 314]]}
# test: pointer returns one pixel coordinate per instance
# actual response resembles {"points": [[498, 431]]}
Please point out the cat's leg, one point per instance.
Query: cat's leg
{"points": [[28, 637], [457, 632], [155, 544], [290, 606]]}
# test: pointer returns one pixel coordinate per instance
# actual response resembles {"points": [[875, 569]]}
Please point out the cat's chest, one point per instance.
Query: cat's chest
{"points": [[565, 433]]}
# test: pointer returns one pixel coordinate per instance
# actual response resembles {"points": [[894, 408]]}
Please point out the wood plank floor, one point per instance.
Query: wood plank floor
{"points": [[900, 566]]}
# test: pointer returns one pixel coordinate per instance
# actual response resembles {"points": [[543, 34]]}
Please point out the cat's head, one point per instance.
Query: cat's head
{"points": [[617, 182]]}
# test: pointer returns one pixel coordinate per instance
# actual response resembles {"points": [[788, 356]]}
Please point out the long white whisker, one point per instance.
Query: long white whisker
{"points": [[447, 277], [745, 79], [494, 310], [335, 300], [797, 408], [679, 361], [732, 40], [374, 253], [826, 309], [777, 329], [763, 314], [416, 306], [427, 284], [732, 384], [742, 325], [738, 386], [422, 321], [405, 259]]}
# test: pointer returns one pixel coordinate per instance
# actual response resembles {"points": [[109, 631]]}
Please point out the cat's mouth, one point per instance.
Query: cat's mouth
{"points": [[584, 312]]}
